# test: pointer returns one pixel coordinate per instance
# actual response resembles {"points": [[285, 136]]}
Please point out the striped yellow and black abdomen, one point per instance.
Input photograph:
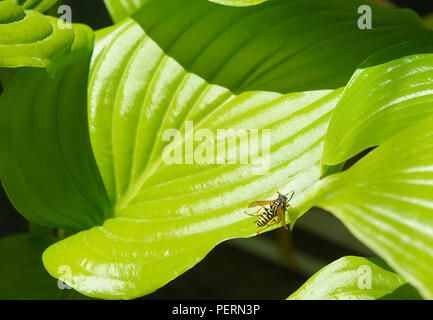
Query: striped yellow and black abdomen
{"points": [[264, 219]]}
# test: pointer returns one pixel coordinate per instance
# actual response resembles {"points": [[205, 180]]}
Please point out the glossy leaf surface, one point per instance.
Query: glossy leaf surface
{"points": [[382, 100], [30, 39], [167, 217], [356, 278], [386, 201]]}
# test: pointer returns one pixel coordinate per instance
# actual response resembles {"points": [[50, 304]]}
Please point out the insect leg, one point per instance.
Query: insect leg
{"points": [[291, 192]]}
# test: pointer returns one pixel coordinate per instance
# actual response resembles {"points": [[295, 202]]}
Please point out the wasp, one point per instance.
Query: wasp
{"points": [[273, 214]]}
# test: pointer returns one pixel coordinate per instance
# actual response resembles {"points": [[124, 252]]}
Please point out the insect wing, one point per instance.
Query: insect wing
{"points": [[260, 203]]}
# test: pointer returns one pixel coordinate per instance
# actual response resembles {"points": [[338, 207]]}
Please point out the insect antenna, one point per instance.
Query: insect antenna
{"points": [[291, 192]]}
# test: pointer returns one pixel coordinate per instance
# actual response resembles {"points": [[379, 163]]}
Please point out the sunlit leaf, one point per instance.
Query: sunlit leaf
{"points": [[386, 201], [168, 217], [381, 100], [28, 38], [356, 278], [169, 70]]}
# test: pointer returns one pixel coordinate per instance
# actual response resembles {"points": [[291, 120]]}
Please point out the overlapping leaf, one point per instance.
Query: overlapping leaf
{"points": [[388, 206], [382, 100], [356, 278], [386, 201], [28, 38], [47, 167], [169, 216], [279, 45]]}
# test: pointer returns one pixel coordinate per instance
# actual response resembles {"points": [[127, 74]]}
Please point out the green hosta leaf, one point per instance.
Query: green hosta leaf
{"points": [[167, 217], [22, 272], [380, 101], [386, 201], [39, 5], [356, 278], [28, 38], [279, 45], [47, 167], [238, 3]]}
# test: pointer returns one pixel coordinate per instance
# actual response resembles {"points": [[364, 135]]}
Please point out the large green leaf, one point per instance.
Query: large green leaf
{"points": [[22, 272], [386, 201], [168, 217], [356, 278], [39, 5], [46, 163], [28, 38], [381, 100], [279, 45]]}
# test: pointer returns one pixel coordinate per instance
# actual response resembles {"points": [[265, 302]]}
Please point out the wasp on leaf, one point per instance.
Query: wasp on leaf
{"points": [[273, 214]]}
